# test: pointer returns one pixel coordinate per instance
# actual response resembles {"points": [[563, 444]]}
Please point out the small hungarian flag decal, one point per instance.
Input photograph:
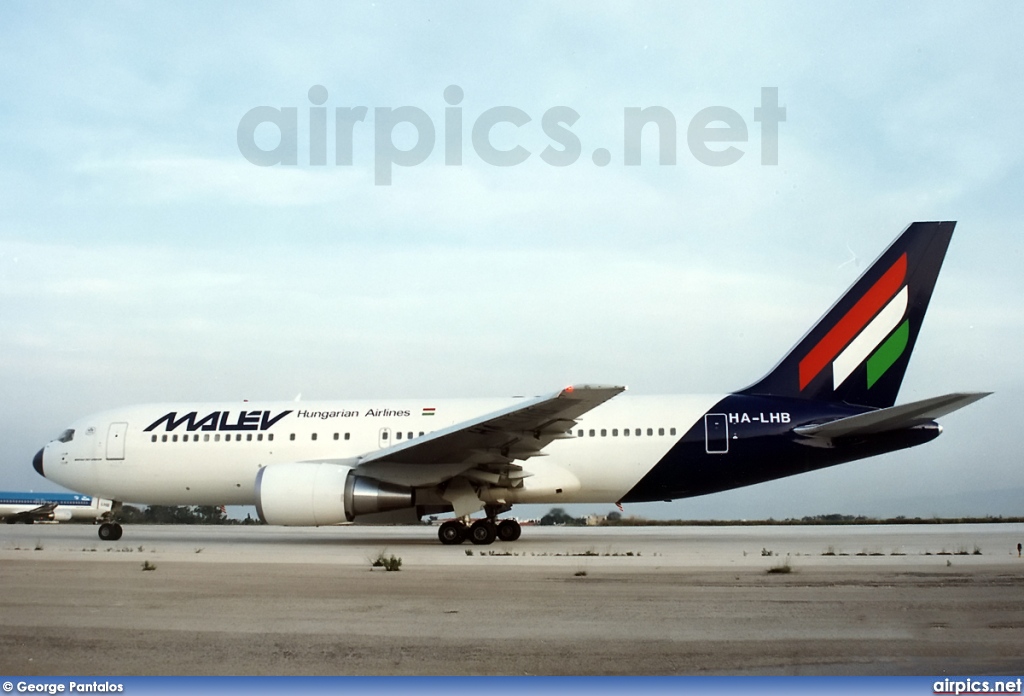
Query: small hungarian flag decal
{"points": [[429, 411]]}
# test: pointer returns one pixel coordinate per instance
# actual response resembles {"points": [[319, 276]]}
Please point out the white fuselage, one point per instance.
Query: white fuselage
{"points": [[210, 454]]}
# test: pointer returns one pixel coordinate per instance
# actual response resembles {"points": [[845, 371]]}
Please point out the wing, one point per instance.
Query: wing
{"points": [[485, 448], [892, 418]]}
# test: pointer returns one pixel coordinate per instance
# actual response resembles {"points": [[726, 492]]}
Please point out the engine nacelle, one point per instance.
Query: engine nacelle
{"points": [[310, 494]]}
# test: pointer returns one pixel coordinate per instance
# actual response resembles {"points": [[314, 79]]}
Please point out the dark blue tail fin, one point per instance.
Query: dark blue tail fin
{"points": [[858, 352]]}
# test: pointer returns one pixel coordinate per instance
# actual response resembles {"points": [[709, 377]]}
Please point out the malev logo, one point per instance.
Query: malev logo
{"points": [[871, 331], [218, 420]]}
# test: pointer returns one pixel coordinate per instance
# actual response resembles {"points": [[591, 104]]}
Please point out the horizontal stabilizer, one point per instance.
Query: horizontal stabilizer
{"points": [[892, 418]]}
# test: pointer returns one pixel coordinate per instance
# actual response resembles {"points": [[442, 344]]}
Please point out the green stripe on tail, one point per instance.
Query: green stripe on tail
{"points": [[888, 353]]}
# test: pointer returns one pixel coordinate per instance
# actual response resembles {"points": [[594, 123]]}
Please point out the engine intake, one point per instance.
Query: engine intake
{"points": [[310, 494]]}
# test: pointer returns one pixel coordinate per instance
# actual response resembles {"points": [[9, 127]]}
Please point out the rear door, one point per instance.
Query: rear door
{"points": [[716, 433]]}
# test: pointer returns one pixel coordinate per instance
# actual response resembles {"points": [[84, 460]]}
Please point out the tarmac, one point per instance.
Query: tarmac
{"points": [[849, 600]]}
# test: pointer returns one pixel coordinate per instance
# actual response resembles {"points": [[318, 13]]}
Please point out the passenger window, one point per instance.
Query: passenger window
{"points": [[248, 437], [661, 431], [174, 438], [238, 437], [625, 431], [638, 432], [216, 438], [410, 436], [195, 438], [163, 438], [270, 437], [604, 433], [314, 437], [259, 437], [672, 431], [335, 436], [591, 433], [650, 431], [421, 433], [346, 436], [398, 435], [292, 436], [154, 439], [615, 432], [206, 437]]}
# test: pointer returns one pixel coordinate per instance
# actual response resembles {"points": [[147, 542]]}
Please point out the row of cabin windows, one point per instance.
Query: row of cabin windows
{"points": [[398, 435], [216, 437], [626, 432], [238, 437], [337, 436]]}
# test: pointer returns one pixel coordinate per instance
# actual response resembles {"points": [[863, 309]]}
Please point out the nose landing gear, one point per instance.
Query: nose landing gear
{"points": [[110, 531]]}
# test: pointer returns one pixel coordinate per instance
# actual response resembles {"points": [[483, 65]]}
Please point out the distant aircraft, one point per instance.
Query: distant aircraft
{"points": [[31, 507], [830, 400]]}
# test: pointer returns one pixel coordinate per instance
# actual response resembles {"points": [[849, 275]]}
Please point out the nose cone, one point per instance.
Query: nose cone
{"points": [[37, 463]]}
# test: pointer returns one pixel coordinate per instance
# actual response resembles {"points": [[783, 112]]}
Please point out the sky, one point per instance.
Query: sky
{"points": [[144, 258]]}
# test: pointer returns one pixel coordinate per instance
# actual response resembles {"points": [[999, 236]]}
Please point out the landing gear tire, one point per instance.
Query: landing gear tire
{"points": [[451, 533], [509, 530], [110, 531], [483, 532]]}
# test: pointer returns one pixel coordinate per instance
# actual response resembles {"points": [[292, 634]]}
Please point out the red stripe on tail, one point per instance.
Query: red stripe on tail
{"points": [[853, 321]]}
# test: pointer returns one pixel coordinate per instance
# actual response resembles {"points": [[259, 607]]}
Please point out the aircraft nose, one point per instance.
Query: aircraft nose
{"points": [[37, 463]]}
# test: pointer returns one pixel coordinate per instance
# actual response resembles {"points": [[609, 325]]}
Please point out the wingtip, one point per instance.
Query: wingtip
{"points": [[618, 389]]}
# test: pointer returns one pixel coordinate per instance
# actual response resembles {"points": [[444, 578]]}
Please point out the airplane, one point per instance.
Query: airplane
{"points": [[830, 400], [29, 507]]}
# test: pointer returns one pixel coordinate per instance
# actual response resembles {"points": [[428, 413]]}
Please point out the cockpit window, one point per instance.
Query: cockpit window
{"points": [[66, 436]]}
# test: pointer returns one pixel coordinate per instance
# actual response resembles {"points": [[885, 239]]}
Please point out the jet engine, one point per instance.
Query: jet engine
{"points": [[311, 494]]}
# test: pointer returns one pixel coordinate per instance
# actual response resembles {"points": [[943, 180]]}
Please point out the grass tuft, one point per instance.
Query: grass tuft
{"points": [[388, 563]]}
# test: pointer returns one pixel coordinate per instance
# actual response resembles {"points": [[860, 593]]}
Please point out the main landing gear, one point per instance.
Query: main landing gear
{"points": [[110, 531], [480, 532]]}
